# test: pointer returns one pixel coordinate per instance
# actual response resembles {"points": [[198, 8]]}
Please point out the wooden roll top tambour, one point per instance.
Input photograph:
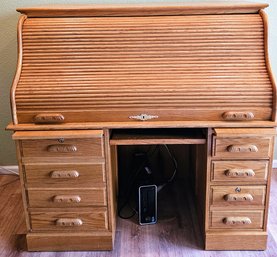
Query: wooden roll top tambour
{"points": [[136, 63]]}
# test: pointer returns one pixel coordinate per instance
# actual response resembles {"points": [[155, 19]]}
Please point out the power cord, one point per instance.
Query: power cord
{"points": [[160, 187]]}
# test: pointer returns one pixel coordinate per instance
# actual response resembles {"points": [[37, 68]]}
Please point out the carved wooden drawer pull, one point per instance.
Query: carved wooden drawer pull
{"points": [[237, 221], [62, 148], [67, 199], [66, 222], [242, 148], [64, 174], [232, 173], [238, 198], [238, 116], [49, 118]]}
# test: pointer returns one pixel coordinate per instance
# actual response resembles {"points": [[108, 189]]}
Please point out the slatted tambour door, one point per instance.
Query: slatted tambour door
{"points": [[173, 67]]}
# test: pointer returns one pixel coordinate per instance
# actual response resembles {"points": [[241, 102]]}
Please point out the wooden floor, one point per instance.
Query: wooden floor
{"points": [[176, 234]]}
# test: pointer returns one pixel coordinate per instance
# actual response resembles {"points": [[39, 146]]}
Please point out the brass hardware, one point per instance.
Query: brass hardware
{"points": [[62, 148], [67, 222], [242, 148], [233, 116], [238, 197], [233, 173], [64, 174], [143, 117], [67, 199], [237, 221], [61, 140], [49, 118], [238, 189]]}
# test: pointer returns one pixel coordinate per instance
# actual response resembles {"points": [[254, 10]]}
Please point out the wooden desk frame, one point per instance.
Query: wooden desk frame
{"points": [[64, 114]]}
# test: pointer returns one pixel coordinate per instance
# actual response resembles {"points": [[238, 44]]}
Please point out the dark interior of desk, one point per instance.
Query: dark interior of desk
{"points": [[191, 159]]}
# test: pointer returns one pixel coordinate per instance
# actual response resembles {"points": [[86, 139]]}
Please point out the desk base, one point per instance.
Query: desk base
{"points": [[84, 241], [236, 241]]}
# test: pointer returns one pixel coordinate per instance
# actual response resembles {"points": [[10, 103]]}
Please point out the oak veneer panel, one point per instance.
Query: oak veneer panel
{"points": [[39, 175], [178, 68], [58, 134], [137, 124], [244, 132], [210, 116], [149, 9], [157, 136], [87, 197], [268, 65], [62, 241], [220, 168], [220, 193], [255, 217], [69, 147], [92, 220], [243, 147], [112, 184], [236, 241]]}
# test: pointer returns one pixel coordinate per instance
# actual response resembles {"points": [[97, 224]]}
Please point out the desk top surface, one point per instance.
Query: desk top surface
{"points": [[149, 9]]}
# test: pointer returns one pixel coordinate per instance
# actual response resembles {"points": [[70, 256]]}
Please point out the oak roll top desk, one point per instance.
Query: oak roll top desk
{"points": [[90, 78]]}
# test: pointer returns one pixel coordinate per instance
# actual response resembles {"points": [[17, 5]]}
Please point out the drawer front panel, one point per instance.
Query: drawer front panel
{"points": [[222, 196], [68, 147], [237, 219], [242, 147], [65, 175], [67, 198], [94, 219], [224, 171]]}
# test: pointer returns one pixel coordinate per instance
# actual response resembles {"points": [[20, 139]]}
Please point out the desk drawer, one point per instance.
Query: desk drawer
{"points": [[251, 147], [92, 219], [67, 198], [237, 219], [68, 147], [222, 196], [250, 171], [65, 175]]}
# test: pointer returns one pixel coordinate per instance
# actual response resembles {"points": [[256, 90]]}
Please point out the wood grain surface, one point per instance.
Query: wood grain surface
{"points": [[146, 9], [46, 197], [40, 175], [91, 219], [173, 68], [220, 171], [223, 196], [83, 146], [238, 148], [137, 124], [234, 219]]}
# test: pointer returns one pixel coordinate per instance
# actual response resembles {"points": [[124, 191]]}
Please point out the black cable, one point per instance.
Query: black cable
{"points": [[174, 163], [160, 187], [131, 185]]}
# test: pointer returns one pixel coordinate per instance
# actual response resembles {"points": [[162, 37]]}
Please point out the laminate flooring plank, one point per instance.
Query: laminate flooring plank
{"points": [[10, 211], [177, 233]]}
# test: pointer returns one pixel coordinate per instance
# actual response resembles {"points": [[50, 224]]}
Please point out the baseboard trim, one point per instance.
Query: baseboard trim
{"points": [[9, 170]]}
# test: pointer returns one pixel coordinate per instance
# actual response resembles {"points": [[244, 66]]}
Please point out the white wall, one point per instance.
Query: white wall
{"points": [[8, 55]]}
